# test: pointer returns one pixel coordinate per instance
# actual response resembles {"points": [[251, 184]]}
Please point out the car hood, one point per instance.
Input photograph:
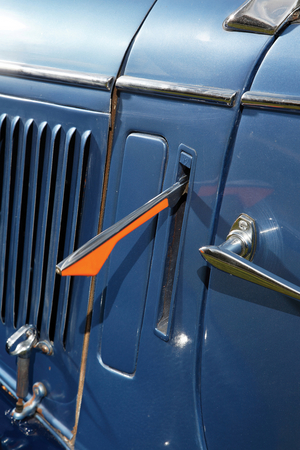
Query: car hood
{"points": [[89, 37]]}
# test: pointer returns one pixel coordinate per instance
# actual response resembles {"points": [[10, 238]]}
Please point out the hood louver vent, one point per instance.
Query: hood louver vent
{"points": [[40, 166]]}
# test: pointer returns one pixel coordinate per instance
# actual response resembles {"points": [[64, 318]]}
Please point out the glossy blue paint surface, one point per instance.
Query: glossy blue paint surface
{"points": [[160, 406], [60, 372], [86, 37], [277, 72], [246, 389], [185, 43], [249, 372]]}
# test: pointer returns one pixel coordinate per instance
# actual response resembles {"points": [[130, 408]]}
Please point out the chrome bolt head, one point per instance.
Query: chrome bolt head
{"points": [[243, 225]]}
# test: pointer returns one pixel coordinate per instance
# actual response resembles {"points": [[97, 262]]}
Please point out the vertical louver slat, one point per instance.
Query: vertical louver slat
{"points": [[30, 137], [11, 148], [42, 221], [38, 148], [16, 232], [74, 211], [43, 174], [64, 157], [2, 153], [3, 145]]}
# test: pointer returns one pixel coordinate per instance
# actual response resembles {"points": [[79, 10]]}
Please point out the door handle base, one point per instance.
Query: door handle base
{"points": [[234, 256]]}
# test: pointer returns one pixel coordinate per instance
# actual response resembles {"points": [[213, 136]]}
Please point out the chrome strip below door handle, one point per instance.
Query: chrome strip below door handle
{"points": [[231, 257]]}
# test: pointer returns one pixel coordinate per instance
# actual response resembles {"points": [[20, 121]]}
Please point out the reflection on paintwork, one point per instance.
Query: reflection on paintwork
{"points": [[270, 229], [182, 340], [249, 194], [203, 37], [59, 36], [10, 23]]}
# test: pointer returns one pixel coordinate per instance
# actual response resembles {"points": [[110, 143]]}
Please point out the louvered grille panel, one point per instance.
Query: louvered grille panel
{"points": [[40, 166]]}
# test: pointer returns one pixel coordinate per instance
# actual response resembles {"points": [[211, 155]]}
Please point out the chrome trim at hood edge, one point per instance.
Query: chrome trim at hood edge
{"points": [[41, 73], [204, 94]]}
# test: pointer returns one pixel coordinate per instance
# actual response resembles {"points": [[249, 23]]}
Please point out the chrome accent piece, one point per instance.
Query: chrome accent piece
{"points": [[29, 408], [45, 347], [264, 17], [242, 233], [230, 257], [204, 94], [270, 101], [172, 194], [60, 76], [24, 347], [20, 344]]}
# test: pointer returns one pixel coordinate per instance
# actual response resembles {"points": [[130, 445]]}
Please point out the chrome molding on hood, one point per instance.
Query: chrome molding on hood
{"points": [[204, 94], [263, 16], [60, 76]]}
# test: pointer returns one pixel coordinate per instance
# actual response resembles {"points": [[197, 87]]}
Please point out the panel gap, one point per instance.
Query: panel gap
{"points": [[2, 158], [26, 181], [14, 159], [62, 236], [48, 227], [84, 176], [77, 234], [38, 206]]}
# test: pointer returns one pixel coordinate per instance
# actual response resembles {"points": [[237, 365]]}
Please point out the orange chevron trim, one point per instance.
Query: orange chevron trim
{"points": [[92, 263]]}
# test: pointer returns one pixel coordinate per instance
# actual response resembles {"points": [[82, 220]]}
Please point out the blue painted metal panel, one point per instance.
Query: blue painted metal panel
{"points": [[61, 308], [277, 74], [85, 37], [184, 42], [141, 180], [160, 405], [90, 99], [249, 369], [181, 42]]}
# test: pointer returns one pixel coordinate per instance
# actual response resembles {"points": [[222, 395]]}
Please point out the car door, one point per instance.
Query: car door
{"points": [[177, 108], [250, 346]]}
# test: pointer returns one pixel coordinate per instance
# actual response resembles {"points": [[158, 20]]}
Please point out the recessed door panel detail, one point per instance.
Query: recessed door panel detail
{"points": [[173, 245], [124, 298]]}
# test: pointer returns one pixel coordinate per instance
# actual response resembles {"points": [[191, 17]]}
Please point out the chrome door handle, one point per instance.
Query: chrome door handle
{"points": [[235, 254], [89, 259]]}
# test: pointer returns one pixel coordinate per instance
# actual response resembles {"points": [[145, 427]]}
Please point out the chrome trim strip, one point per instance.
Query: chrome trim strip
{"points": [[61, 76], [261, 16], [92, 267], [204, 94], [270, 101]]}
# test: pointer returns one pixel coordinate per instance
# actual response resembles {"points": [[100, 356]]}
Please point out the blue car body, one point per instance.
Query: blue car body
{"points": [[103, 107]]}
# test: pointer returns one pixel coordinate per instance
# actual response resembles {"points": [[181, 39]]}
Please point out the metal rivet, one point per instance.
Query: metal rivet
{"points": [[243, 225]]}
